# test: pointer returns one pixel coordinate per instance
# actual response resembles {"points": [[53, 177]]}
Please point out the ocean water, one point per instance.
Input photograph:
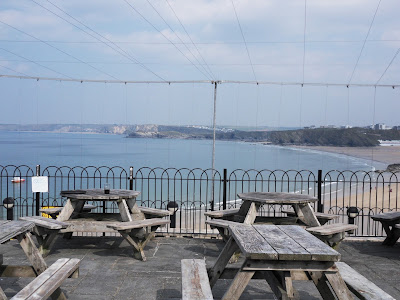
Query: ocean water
{"points": [[76, 149]]}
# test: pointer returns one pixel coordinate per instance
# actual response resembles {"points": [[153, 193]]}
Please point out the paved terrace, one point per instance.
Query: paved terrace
{"points": [[108, 271]]}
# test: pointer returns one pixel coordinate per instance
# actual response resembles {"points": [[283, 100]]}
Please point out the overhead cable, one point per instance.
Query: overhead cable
{"points": [[118, 50], [198, 51], [365, 40], [390, 63], [159, 31], [54, 47], [304, 35], [185, 44], [34, 62], [247, 49]]}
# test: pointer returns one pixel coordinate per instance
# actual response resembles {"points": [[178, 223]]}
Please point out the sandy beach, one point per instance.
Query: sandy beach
{"points": [[382, 154]]}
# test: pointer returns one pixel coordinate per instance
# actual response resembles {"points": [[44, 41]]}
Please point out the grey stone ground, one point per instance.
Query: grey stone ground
{"points": [[108, 271]]}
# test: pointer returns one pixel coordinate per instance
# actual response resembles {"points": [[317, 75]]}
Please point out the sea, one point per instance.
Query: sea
{"points": [[80, 149]]}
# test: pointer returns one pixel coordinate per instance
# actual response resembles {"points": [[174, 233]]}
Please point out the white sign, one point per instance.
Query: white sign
{"points": [[40, 184]]}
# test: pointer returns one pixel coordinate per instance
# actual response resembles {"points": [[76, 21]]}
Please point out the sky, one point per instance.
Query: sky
{"points": [[154, 61]]}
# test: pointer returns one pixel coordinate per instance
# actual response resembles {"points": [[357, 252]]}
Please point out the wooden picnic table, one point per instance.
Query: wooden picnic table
{"points": [[300, 203], [277, 253], [389, 221], [130, 221], [48, 280], [21, 230]]}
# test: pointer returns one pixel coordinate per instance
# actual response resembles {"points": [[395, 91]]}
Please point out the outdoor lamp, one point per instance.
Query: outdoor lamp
{"points": [[8, 204], [172, 207], [352, 213]]}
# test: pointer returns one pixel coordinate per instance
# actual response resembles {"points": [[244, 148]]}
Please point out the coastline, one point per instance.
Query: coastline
{"points": [[381, 154]]}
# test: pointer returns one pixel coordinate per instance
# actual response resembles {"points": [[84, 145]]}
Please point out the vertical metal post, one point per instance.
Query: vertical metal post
{"points": [[37, 195], [224, 190], [213, 149], [320, 206], [131, 178]]}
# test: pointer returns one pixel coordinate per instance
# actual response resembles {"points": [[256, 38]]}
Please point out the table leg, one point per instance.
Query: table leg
{"points": [[280, 284], [331, 285], [238, 285], [69, 208], [134, 210], [306, 214], [32, 253], [2, 295], [222, 260], [45, 239], [124, 211], [392, 235]]}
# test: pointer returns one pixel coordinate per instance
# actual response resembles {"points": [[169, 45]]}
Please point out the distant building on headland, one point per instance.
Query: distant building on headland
{"points": [[380, 126]]}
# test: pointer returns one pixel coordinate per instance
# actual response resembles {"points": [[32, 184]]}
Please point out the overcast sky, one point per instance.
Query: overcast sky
{"points": [[286, 42]]}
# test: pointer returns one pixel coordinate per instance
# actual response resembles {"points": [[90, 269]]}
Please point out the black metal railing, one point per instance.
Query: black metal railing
{"points": [[198, 190]]}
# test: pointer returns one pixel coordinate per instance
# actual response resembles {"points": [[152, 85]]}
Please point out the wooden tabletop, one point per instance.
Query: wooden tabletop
{"points": [[281, 242], [277, 198], [390, 216], [10, 229], [99, 195]]}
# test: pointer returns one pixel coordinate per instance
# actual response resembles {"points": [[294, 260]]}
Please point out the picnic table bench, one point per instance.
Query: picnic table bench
{"points": [[48, 280], [195, 283], [138, 233], [389, 223], [332, 234], [45, 231], [48, 283], [54, 211], [361, 286], [323, 218]]}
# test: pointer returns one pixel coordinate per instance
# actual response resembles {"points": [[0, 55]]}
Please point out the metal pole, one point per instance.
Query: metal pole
{"points": [[213, 149], [37, 195], [224, 190], [131, 178], [320, 207]]}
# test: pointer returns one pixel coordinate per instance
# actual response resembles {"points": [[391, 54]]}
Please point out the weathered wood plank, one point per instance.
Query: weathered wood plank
{"points": [[124, 211], [279, 265], [221, 223], [318, 249], [98, 194], [306, 214], [238, 285], [219, 214], [138, 224], [338, 286], [277, 198], [222, 260], [10, 229], [31, 252], [322, 217], [67, 211], [2, 295], [389, 216], [251, 213], [78, 225], [49, 281], [251, 243], [275, 285], [286, 247], [332, 228], [361, 286], [195, 284], [46, 222], [154, 211]]}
